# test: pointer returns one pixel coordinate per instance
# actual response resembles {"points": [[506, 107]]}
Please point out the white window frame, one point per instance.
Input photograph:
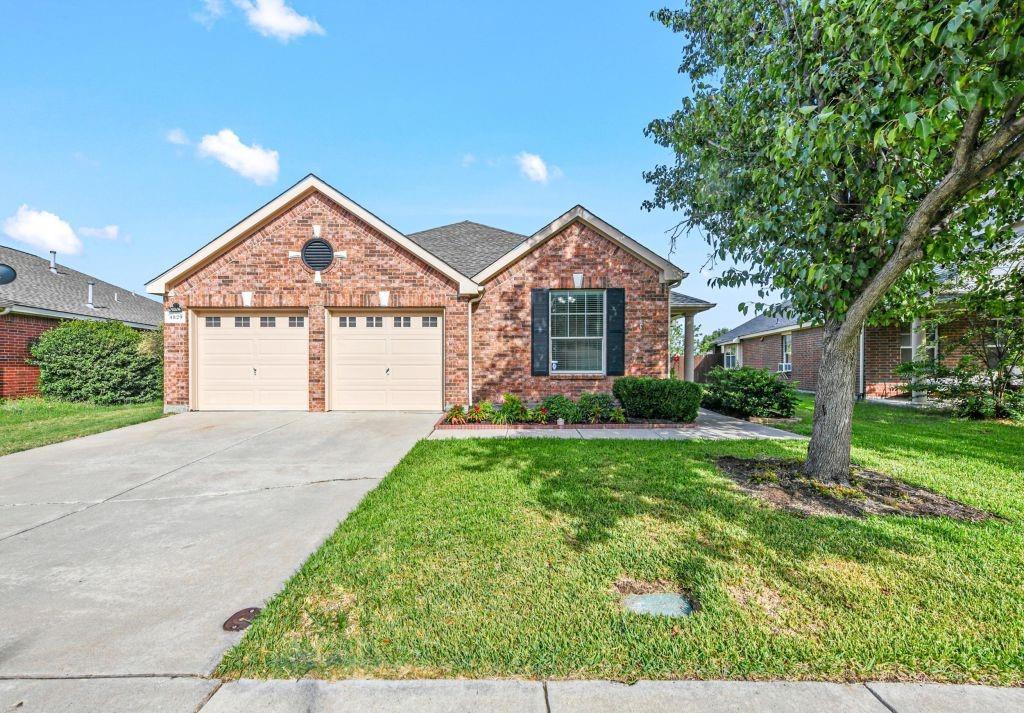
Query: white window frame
{"points": [[731, 350], [786, 365], [930, 343], [604, 332]]}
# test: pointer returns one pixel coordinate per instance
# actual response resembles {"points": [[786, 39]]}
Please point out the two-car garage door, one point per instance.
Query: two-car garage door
{"points": [[380, 361]]}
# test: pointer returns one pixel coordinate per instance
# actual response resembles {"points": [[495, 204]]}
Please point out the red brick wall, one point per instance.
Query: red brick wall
{"points": [[17, 332], [881, 357], [501, 320], [806, 358], [260, 264]]}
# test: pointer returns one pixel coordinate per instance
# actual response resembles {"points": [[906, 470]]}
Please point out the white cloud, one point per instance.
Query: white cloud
{"points": [[468, 160], [254, 162], [533, 167], [177, 137], [212, 11], [42, 229], [273, 18], [107, 232]]}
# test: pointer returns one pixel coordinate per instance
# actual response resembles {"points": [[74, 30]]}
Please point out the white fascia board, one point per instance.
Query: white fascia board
{"points": [[310, 183], [57, 314], [669, 272]]}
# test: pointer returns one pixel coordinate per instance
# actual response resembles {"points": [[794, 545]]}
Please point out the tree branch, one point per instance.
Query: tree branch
{"points": [[968, 140], [1011, 109]]}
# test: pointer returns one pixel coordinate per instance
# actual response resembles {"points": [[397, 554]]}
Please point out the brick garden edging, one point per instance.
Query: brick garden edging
{"points": [[554, 426]]}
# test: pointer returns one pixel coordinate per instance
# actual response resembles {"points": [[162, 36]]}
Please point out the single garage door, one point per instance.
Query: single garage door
{"points": [[386, 361], [252, 362]]}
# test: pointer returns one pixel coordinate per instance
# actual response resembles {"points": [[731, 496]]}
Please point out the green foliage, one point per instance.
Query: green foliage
{"points": [[815, 130], [482, 412], [747, 392], [456, 416], [595, 408], [658, 399], [707, 342], [538, 414], [562, 407], [98, 362], [511, 411]]}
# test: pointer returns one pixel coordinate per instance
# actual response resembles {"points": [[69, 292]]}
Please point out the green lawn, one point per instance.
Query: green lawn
{"points": [[493, 558], [29, 423]]}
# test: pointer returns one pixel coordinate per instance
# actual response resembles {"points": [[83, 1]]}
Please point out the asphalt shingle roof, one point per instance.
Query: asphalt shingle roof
{"points": [[67, 291], [678, 299], [467, 246], [760, 323]]}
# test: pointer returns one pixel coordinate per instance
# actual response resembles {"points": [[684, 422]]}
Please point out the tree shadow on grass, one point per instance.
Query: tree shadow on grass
{"points": [[595, 486]]}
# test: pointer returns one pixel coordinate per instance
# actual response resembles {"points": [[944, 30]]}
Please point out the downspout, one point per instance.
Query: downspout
{"points": [[863, 384], [469, 386], [668, 334]]}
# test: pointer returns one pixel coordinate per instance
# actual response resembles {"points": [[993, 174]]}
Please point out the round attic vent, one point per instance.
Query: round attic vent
{"points": [[317, 254]]}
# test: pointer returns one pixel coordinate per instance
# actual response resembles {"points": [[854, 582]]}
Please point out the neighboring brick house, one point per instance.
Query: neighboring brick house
{"points": [[312, 302], [44, 294], [784, 345]]}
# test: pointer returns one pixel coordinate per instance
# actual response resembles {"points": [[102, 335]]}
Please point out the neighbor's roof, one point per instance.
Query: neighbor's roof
{"points": [[467, 246], [760, 323], [65, 294]]}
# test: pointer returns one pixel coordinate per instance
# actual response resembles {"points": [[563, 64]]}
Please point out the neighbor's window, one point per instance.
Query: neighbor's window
{"points": [[429, 322], [241, 321], [929, 347], [577, 331], [729, 352], [995, 344], [213, 321], [787, 353], [268, 321], [296, 321]]}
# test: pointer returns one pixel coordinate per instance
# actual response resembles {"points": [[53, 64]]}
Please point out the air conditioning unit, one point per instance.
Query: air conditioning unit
{"points": [[785, 368]]}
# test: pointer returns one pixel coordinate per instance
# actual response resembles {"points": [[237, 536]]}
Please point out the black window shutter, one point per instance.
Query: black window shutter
{"points": [[615, 329], [539, 319]]}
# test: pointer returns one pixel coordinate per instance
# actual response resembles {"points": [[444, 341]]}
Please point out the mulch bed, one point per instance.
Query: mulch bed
{"points": [[782, 484]]}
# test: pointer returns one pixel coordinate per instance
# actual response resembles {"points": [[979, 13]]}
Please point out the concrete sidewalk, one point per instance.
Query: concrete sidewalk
{"points": [[510, 696], [709, 426]]}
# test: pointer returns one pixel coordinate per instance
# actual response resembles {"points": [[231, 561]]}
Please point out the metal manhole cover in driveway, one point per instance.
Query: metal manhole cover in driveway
{"points": [[241, 619]]}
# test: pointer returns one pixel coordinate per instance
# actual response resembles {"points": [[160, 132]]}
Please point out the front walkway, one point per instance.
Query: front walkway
{"points": [[710, 426]]}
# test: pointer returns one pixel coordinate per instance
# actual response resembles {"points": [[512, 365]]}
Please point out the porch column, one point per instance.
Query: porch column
{"points": [[688, 347], [916, 340]]}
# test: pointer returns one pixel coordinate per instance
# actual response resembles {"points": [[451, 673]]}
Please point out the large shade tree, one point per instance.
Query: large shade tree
{"points": [[840, 152]]}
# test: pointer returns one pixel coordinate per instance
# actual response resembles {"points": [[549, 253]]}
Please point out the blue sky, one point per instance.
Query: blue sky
{"points": [[163, 119]]}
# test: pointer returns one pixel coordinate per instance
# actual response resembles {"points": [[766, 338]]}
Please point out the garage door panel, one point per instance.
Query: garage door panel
{"points": [[391, 367], [252, 368]]}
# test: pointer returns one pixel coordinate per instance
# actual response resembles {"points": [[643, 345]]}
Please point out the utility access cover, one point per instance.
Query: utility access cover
{"points": [[662, 604]]}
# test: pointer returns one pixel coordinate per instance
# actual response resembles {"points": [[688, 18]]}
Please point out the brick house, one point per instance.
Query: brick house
{"points": [[784, 345], [44, 294], [312, 302]]}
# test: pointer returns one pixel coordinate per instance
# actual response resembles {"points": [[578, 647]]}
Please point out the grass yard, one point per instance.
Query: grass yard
{"points": [[494, 558], [34, 422]]}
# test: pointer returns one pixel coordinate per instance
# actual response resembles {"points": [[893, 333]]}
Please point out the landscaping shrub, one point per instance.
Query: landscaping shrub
{"points": [[747, 392], [99, 362], [511, 410], [456, 416], [562, 407], [658, 399], [482, 412], [595, 408]]}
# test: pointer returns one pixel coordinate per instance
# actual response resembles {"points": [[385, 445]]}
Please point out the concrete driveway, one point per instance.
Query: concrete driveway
{"points": [[124, 552]]}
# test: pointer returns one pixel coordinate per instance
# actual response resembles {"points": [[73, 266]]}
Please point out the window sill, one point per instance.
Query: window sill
{"points": [[588, 377]]}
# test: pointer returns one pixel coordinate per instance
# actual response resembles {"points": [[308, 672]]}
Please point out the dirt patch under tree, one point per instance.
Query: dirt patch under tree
{"points": [[782, 484]]}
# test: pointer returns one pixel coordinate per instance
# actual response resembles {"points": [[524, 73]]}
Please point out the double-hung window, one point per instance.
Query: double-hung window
{"points": [[730, 357], [577, 331], [927, 349], [786, 365]]}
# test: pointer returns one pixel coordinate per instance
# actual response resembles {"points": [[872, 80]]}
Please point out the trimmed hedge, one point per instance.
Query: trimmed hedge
{"points": [[658, 399], [103, 363], [747, 392]]}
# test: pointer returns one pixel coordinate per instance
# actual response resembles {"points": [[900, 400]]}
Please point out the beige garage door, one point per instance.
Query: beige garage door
{"points": [[252, 362], [386, 361]]}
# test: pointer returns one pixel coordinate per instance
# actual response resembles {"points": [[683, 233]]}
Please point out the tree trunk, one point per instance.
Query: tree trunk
{"points": [[828, 455]]}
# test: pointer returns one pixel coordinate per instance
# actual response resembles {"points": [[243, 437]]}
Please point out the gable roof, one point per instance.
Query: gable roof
{"points": [[757, 325], [309, 184], [65, 293], [467, 246], [669, 272]]}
